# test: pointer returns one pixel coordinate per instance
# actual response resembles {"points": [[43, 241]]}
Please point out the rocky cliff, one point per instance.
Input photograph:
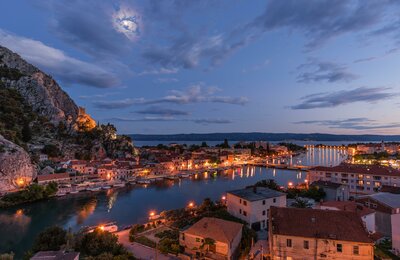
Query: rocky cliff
{"points": [[16, 168], [41, 92]]}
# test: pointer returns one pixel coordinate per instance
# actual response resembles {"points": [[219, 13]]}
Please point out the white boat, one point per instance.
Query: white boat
{"points": [[94, 188], [74, 191], [143, 181], [119, 184], [106, 187], [172, 177], [110, 227]]}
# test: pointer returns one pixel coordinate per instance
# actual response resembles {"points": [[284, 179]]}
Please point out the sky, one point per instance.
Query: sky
{"points": [[162, 67]]}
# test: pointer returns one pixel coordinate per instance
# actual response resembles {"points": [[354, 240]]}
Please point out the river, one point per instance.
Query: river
{"points": [[20, 225]]}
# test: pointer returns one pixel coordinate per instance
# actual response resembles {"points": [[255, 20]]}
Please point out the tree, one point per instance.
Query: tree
{"points": [[270, 183], [204, 144], [99, 242], [51, 150], [26, 132], [301, 203], [51, 239]]}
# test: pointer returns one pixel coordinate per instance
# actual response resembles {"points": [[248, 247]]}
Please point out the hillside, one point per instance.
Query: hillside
{"points": [[38, 117]]}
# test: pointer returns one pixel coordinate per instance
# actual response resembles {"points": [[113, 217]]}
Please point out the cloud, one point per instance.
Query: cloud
{"points": [[323, 20], [193, 94], [166, 80], [343, 97], [97, 28], [324, 71], [162, 111], [357, 123], [202, 121], [159, 71], [57, 63]]}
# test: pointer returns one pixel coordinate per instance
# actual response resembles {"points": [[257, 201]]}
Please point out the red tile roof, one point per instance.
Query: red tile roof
{"points": [[55, 176], [360, 169], [350, 206], [215, 228], [315, 223]]}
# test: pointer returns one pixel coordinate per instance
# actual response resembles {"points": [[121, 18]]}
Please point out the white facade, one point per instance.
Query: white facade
{"points": [[395, 218], [358, 183], [254, 212]]}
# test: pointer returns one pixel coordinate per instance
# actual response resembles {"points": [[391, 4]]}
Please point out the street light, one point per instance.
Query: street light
{"points": [[191, 204]]}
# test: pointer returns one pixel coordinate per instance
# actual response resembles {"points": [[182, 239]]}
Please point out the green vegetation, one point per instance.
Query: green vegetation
{"points": [[137, 229], [270, 183], [301, 203], [29, 194], [374, 156], [51, 239], [51, 150], [224, 145], [10, 73], [169, 242], [96, 245], [15, 116], [293, 147], [313, 192], [145, 241], [382, 250]]}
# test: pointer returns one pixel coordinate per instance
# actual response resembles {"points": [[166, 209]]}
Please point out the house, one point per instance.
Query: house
{"points": [[296, 233], [57, 255], [46, 170], [252, 204], [212, 237], [395, 220], [361, 179], [334, 191], [386, 205], [56, 177], [366, 214], [43, 157]]}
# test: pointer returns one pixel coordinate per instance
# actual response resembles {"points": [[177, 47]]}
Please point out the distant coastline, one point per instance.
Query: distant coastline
{"points": [[254, 136]]}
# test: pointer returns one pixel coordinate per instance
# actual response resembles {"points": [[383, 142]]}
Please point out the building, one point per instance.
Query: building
{"points": [[361, 179], [334, 191], [57, 255], [386, 205], [56, 177], [296, 233], [252, 204], [224, 235], [366, 214]]}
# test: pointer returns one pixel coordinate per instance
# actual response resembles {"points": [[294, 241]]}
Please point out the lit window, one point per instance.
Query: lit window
{"points": [[339, 248]]}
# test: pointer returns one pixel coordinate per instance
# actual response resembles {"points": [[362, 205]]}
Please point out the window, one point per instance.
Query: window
{"points": [[306, 244], [197, 239], [245, 203], [356, 250], [274, 200], [263, 212], [288, 242], [244, 213], [263, 202], [339, 248], [240, 211], [240, 201]]}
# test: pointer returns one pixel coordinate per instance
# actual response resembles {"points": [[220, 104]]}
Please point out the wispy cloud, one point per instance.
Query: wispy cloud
{"points": [[343, 97], [324, 71], [159, 71], [162, 111], [193, 94], [357, 123], [202, 121], [57, 63], [166, 80]]}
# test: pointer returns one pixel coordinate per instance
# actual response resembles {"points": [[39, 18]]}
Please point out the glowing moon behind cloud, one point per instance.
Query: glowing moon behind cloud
{"points": [[127, 22]]}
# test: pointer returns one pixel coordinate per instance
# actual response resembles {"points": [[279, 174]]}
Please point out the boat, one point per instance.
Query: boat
{"points": [[119, 184], [93, 188], [143, 181], [184, 175], [110, 227], [106, 187], [74, 192], [172, 177]]}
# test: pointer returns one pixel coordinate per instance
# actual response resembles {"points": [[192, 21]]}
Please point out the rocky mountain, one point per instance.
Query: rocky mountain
{"points": [[40, 90], [38, 117], [16, 168]]}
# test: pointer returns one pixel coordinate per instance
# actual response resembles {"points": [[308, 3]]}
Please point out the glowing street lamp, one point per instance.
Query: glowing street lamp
{"points": [[290, 184], [191, 204], [152, 214], [101, 227], [223, 197]]}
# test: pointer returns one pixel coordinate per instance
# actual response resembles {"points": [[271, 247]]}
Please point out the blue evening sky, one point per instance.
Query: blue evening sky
{"points": [[159, 67]]}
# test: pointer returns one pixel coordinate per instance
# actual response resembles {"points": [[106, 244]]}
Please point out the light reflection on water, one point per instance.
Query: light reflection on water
{"points": [[128, 205]]}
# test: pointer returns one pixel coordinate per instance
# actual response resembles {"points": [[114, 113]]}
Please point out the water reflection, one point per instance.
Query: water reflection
{"points": [[85, 211]]}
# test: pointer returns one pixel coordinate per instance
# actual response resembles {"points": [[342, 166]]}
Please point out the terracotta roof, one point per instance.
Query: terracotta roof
{"points": [[316, 223], [55, 176], [350, 206], [360, 169], [215, 228]]}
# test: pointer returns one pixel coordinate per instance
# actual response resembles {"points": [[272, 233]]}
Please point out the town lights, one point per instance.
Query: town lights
{"points": [[21, 182], [101, 227], [223, 197], [191, 204], [152, 214], [290, 184]]}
